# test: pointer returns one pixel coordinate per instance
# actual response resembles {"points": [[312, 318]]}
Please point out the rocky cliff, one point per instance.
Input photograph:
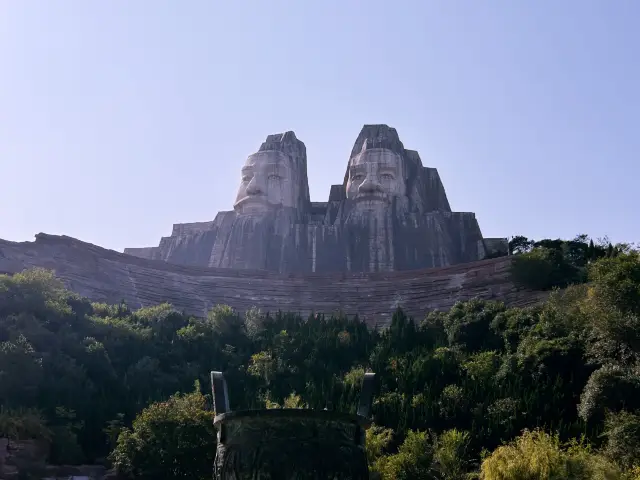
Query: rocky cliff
{"points": [[109, 276]]}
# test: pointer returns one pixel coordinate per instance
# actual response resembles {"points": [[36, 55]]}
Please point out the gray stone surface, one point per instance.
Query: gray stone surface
{"points": [[108, 276], [390, 214]]}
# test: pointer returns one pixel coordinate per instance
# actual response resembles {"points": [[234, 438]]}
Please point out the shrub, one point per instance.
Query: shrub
{"points": [[169, 440], [543, 269], [537, 454]]}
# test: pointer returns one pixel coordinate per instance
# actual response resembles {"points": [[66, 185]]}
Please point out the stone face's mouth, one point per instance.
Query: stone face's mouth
{"points": [[372, 198], [252, 203]]}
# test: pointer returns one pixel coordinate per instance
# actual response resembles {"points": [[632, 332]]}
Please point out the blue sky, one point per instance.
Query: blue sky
{"points": [[120, 118]]}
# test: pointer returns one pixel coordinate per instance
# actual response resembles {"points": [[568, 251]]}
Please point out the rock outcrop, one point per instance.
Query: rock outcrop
{"points": [[390, 214], [110, 276]]}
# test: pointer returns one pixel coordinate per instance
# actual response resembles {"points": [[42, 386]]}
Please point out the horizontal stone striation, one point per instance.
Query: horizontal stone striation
{"points": [[109, 276]]}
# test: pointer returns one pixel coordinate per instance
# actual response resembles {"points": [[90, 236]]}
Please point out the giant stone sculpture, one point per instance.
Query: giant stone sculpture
{"points": [[390, 213]]}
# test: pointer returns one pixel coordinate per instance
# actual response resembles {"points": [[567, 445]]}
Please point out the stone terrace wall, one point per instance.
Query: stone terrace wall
{"points": [[105, 275]]}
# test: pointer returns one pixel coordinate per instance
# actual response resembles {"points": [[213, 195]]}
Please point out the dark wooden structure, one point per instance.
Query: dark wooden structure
{"points": [[288, 444]]}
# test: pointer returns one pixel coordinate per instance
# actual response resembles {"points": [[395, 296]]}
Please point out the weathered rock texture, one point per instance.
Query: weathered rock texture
{"points": [[390, 214], [109, 276]]}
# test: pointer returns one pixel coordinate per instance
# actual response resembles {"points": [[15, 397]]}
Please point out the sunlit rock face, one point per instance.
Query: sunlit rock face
{"points": [[390, 213], [396, 215], [274, 177], [376, 169], [273, 197], [376, 176]]}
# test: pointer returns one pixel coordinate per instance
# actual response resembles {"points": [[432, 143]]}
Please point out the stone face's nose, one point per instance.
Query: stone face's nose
{"points": [[255, 187], [370, 186]]}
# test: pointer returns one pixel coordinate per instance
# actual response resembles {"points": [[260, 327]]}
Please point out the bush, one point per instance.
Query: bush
{"points": [[169, 440], [537, 454], [413, 460], [622, 430], [543, 269]]}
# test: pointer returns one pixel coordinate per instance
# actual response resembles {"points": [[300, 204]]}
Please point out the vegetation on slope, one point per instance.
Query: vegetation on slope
{"points": [[499, 393], [547, 264]]}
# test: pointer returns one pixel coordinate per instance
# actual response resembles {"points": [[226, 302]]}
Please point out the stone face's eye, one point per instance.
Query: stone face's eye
{"points": [[387, 176], [273, 176], [356, 177], [246, 178]]}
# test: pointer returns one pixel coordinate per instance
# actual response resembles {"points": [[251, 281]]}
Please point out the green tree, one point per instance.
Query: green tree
{"points": [[622, 431], [450, 458], [377, 443], [413, 460], [543, 268], [519, 244], [170, 439]]}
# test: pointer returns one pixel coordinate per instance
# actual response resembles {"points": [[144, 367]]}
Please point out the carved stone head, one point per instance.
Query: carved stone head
{"points": [[382, 172], [376, 171], [274, 177]]}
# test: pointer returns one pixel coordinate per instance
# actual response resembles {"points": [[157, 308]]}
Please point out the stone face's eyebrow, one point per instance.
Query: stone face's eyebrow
{"points": [[273, 167]]}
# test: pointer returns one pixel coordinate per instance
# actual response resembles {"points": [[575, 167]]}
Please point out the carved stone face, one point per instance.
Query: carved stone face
{"points": [[268, 182], [375, 177]]}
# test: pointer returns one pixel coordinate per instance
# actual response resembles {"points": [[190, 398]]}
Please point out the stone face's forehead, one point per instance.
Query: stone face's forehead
{"points": [[267, 157], [379, 156], [377, 136]]}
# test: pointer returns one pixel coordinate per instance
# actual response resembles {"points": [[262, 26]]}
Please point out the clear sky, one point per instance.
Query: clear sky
{"points": [[119, 118]]}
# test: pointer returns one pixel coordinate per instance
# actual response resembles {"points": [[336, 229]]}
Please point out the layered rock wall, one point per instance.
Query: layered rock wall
{"points": [[109, 276]]}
